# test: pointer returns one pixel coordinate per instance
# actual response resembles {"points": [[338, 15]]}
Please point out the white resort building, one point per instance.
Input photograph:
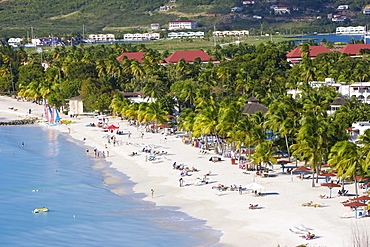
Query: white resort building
{"points": [[173, 25], [190, 35], [141, 36], [101, 37], [359, 30], [230, 33]]}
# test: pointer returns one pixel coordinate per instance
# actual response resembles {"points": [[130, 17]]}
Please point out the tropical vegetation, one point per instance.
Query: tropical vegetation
{"points": [[208, 98]]}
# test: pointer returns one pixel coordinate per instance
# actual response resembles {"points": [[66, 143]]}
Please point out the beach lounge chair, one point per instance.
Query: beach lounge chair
{"points": [[295, 232]]}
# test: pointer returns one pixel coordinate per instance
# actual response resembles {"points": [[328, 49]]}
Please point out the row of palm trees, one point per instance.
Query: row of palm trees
{"points": [[301, 125]]}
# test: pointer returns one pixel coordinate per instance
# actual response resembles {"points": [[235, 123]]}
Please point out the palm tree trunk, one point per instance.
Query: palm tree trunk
{"points": [[287, 147]]}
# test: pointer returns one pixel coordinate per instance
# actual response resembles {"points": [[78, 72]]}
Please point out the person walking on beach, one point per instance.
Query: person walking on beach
{"points": [[129, 134], [181, 182], [142, 135], [240, 190], [152, 191]]}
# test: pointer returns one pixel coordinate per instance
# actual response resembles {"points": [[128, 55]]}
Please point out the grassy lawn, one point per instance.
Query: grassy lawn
{"points": [[172, 45]]}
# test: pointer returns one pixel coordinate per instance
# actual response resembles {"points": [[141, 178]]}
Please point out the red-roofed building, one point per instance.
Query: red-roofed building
{"points": [[295, 55], [132, 55], [353, 49], [189, 56]]}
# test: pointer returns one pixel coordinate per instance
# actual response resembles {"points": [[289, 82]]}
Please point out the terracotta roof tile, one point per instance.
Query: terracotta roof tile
{"points": [[314, 50], [188, 56], [353, 49], [132, 55]]}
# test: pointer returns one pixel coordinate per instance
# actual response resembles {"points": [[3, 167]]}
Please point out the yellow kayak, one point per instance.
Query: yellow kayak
{"points": [[37, 210]]}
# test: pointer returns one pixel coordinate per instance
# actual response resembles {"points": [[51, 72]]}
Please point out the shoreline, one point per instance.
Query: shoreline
{"points": [[272, 224]]}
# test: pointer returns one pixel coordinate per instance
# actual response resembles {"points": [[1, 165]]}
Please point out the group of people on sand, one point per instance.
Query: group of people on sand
{"points": [[98, 154], [308, 236]]}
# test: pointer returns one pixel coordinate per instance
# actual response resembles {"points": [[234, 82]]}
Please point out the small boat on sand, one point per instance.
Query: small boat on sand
{"points": [[38, 210]]}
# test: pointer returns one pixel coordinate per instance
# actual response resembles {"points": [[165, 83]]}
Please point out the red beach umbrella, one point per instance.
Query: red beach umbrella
{"points": [[360, 178], [350, 128], [355, 205], [330, 186], [301, 169], [249, 152], [327, 174], [112, 127], [361, 198], [163, 126], [283, 162]]}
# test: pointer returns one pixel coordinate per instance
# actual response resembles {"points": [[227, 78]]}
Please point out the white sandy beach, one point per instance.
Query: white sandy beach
{"points": [[270, 225]]}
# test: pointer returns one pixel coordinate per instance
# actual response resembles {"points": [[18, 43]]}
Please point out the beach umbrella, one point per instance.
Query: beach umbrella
{"points": [[301, 169], [327, 175], [254, 186], [249, 152], [360, 178], [283, 163], [350, 128], [361, 198], [163, 126], [112, 127], [330, 186], [355, 205]]}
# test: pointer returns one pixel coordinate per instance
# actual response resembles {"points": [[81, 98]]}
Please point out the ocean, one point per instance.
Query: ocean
{"points": [[52, 170], [329, 37]]}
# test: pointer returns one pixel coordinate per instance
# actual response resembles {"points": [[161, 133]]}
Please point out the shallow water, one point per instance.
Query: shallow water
{"points": [[54, 172]]}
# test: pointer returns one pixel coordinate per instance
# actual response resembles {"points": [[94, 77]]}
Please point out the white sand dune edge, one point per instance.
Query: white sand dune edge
{"points": [[280, 220]]}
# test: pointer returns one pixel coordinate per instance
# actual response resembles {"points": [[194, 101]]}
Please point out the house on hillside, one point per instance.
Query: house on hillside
{"points": [[343, 7], [132, 55], [338, 18], [253, 106], [188, 24], [295, 55], [336, 104], [280, 9], [155, 26], [189, 57], [353, 49], [236, 9]]}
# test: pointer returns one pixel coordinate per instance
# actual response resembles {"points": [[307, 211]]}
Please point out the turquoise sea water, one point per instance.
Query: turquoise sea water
{"points": [[51, 170]]}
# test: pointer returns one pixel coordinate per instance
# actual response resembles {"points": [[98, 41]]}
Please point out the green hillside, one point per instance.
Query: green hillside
{"points": [[68, 16]]}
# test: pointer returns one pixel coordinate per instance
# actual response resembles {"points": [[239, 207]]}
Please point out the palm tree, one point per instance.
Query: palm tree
{"points": [[263, 154], [156, 114], [283, 118], [312, 139], [349, 160], [206, 122]]}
